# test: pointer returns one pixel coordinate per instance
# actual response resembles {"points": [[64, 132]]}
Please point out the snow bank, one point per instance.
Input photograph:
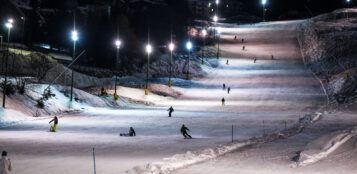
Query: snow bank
{"points": [[322, 147], [9, 117], [328, 45], [167, 165]]}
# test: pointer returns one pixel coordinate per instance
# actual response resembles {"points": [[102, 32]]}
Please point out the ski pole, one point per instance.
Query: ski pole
{"points": [[94, 161]]}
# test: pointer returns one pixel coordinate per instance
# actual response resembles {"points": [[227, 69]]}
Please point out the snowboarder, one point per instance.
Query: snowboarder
{"points": [[227, 62], [255, 60], [184, 130], [223, 101], [55, 123], [5, 163], [171, 109], [243, 48], [224, 86], [130, 134], [229, 89]]}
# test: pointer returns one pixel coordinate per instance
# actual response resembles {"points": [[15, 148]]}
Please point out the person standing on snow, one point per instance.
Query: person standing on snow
{"points": [[5, 164], [223, 101], [171, 109], [229, 89], [184, 130], [55, 123], [224, 86]]}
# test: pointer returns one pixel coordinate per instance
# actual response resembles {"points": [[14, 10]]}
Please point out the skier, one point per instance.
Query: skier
{"points": [[235, 37], [255, 60], [184, 130], [243, 48], [229, 90], [130, 134], [5, 163], [242, 40], [227, 62], [224, 86], [171, 109], [272, 57], [103, 92], [223, 101], [55, 123]]}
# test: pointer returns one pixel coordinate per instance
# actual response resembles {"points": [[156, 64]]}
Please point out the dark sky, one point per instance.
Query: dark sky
{"points": [[278, 7]]}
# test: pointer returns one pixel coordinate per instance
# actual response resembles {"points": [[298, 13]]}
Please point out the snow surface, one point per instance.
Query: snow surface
{"points": [[266, 96]]}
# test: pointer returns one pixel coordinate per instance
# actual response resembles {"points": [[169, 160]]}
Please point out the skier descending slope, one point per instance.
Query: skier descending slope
{"points": [[171, 109], [5, 163], [184, 130]]}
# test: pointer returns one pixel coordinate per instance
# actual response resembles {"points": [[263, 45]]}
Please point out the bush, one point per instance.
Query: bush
{"points": [[10, 89], [47, 94], [40, 103]]}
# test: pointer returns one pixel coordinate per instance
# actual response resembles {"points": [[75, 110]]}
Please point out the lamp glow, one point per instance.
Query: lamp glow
{"points": [[215, 18], [264, 2], [219, 30], [171, 47], [148, 48], [217, 2], [204, 32], [118, 43], [8, 25], [74, 35], [189, 45], [10, 21]]}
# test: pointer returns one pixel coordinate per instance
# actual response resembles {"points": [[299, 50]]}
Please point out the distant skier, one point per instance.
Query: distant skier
{"points": [[130, 134], [272, 57], [171, 109], [103, 92], [242, 40], [5, 163], [223, 101], [229, 89], [255, 60], [184, 130], [235, 37], [55, 123], [224, 86], [243, 48], [227, 62]]}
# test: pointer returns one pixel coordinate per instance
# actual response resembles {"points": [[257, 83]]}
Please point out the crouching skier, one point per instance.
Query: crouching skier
{"points": [[130, 134], [184, 130], [55, 123]]}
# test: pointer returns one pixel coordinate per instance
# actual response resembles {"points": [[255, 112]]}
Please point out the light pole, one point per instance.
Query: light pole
{"points": [[348, 6], [74, 38], [204, 33], [171, 47], [148, 51], [0, 42], [117, 44], [8, 25], [215, 19], [23, 30], [264, 9], [218, 40], [189, 47]]}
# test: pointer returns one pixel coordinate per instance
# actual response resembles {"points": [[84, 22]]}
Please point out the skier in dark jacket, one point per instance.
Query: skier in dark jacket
{"points": [[130, 134], [171, 109], [55, 123], [184, 130]]}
